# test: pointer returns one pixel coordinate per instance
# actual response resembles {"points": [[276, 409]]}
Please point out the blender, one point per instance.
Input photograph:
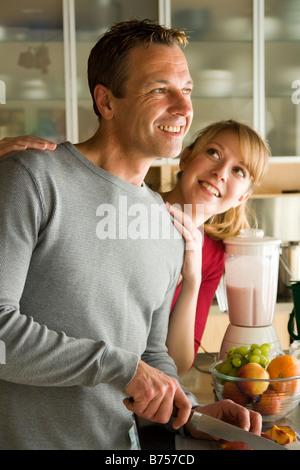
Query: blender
{"points": [[251, 277]]}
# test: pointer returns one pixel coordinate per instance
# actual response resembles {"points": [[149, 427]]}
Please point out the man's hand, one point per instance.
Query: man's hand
{"points": [[153, 395], [12, 144], [229, 412]]}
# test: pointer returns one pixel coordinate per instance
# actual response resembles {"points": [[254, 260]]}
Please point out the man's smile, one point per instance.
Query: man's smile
{"points": [[173, 129]]}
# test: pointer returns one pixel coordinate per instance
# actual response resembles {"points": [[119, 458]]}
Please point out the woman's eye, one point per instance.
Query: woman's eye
{"points": [[213, 153], [240, 172]]}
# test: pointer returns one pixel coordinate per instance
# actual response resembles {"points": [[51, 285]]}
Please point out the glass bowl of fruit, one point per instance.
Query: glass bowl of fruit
{"points": [[250, 377]]}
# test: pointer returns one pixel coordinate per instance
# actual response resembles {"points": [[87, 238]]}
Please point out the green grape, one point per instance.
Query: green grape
{"points": [[231, 351], [227, 361], [237, 357], [243, 350], [236, 362], [244, 360], [225, 369], [256, 352], [265, 348], [254, 359], [234, 372], [264, 361]]}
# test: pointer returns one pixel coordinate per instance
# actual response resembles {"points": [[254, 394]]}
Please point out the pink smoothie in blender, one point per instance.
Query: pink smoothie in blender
{"points": [[251, 273]]}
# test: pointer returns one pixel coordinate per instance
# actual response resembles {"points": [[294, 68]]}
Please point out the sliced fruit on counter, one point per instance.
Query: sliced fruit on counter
{"points": [[281, 434], [236, 445]]}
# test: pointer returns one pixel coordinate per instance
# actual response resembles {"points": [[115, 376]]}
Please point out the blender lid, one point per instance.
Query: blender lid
{"points": [[252, 237]]}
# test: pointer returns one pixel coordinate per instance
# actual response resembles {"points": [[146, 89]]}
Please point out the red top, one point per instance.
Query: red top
{"points": [[213, 262]]}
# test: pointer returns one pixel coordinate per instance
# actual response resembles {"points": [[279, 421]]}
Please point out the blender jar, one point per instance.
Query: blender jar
{"points": [[251, 268]]}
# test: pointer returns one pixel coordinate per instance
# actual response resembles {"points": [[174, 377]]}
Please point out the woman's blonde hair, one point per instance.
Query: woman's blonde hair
{"points": [[255, 154]]}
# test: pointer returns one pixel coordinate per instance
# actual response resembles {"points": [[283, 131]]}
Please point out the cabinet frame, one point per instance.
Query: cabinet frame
{"points": [[164, 11]]}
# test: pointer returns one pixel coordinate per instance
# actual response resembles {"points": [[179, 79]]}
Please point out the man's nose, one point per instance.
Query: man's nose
{"points": [[181, 104]]}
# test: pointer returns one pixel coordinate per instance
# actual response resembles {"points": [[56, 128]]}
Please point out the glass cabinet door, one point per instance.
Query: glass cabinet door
{"points": [[91, 23], [282, 76], [32, 68], [220, 57]]}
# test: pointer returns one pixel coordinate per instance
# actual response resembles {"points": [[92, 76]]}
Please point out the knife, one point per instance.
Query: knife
{"points": [[217, 428]]}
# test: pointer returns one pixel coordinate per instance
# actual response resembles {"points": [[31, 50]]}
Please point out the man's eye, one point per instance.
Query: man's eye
{"points": [[187, 91], [158, 90]]}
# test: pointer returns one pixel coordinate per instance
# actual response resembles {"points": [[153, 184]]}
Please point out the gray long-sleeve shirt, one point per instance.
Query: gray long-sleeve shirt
{"points": [[85, 292]]}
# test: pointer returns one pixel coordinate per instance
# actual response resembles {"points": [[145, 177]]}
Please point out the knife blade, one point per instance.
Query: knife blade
{"points": [[217, 428]]}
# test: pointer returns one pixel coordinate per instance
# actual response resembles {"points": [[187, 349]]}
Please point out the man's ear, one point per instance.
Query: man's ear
{"points": [[184, 158], [102, 96]]}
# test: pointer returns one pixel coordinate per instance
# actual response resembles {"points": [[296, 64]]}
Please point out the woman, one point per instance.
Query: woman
{"points": [[219, 171]]}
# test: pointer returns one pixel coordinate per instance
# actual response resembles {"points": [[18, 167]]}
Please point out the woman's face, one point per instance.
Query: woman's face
{"points": [[215, 177]]}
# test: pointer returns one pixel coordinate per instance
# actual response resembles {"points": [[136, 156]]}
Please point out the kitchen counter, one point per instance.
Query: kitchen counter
{"points": [[198, 381]]}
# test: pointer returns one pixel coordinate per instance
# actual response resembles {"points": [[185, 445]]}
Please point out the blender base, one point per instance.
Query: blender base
{"points": [[236, 336]]}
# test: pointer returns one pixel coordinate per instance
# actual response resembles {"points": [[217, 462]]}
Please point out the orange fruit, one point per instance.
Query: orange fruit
{"points": [[284, 367]]}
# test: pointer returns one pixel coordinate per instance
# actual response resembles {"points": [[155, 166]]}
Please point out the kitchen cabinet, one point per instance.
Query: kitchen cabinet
{"points": [[243, 56], [32, 68], [220, 57], [44, 47], [282, 76], [90, 24], [244, 59]]}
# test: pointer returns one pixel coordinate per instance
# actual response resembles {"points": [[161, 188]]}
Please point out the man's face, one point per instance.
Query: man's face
{"points": [[156, 112]]}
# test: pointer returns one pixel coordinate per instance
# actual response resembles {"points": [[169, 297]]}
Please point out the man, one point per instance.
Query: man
{"points": [[84, 306]]}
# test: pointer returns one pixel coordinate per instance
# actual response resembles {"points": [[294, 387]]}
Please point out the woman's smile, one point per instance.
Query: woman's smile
{"points": [[210, 189]]}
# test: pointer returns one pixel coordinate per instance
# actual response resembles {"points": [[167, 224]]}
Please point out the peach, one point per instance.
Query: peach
{"points": [[280, 435], [252, 370], [231, 391], [268, 403], [266, 436], [236, 445], [289, 431]]}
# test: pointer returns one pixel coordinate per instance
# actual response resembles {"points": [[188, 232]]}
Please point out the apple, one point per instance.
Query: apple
{"points": [[252, 370], [268, 403]]}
